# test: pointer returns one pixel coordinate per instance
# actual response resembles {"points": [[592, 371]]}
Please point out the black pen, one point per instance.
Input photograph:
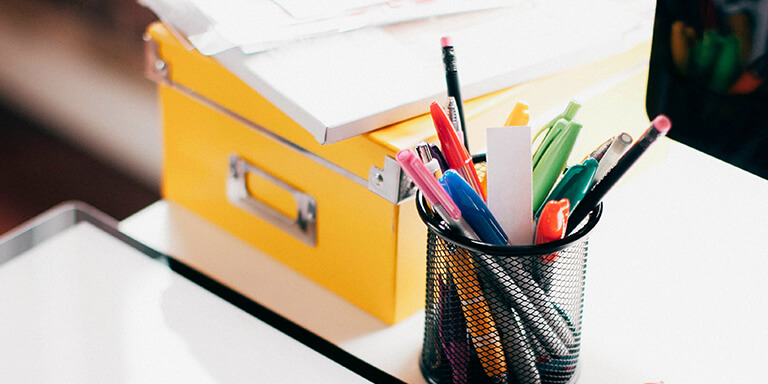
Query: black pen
{"points": [[452, 80], [659, 127]]}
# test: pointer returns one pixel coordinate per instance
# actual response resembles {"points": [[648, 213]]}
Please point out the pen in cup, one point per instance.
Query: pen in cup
{"points": [[567, 115], [599, 152], [552, 162], [551, 226], [519, 116], [573, 185], [452, 329], [480, 323], [511, 276], [612, 155], [455, 153], [659, 128], [515, 338]]}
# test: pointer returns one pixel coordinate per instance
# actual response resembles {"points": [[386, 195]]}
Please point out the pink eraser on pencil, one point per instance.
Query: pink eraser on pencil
{"points": [[446, 41], [662, 124]]}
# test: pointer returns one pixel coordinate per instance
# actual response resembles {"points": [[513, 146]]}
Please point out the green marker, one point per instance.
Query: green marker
{"points": [[726, 67], [704, 54], [567, 115], [573, 185], [552, 162], [552, 134]]}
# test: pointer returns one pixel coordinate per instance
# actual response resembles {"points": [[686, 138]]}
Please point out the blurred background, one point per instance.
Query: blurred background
{"points": [[78, 120]]}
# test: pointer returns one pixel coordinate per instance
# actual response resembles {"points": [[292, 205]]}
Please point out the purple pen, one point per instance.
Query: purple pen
{"points": [[438, 155]]}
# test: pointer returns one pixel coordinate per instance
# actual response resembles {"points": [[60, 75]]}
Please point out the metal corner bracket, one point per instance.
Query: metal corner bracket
{"points": [[155, 68], [391, 182]]}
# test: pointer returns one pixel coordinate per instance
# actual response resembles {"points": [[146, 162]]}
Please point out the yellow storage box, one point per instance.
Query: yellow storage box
{"points": [[343, 213]]}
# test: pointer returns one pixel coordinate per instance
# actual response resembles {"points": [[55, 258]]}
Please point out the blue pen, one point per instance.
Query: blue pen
{"points": [[473, 208]]}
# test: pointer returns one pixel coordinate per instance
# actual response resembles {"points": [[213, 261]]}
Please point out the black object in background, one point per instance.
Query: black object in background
{"points": [[701, 50]]}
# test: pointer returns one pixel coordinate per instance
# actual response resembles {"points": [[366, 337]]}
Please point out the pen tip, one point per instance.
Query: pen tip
{"points": [[446, 41], [662, 124]]}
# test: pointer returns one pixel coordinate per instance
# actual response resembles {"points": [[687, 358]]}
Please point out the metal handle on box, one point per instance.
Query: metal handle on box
{"points": [[303, 227]]}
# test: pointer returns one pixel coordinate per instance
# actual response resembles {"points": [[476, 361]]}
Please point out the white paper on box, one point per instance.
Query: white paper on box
{"points": [[508, 173]]}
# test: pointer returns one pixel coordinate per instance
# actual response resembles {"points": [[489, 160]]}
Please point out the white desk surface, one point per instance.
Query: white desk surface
{"points": [[83, 307], [675, 278]]}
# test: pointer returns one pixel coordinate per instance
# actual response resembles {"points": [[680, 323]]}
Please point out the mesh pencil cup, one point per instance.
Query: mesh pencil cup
{"points": [[502, 314]]}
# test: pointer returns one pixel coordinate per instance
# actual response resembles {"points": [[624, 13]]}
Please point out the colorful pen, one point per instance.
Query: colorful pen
{"points": [[438, 155], [552, 222], [452, 81], [480, 323], [551, 226], [519, 116], [455, 154], [568, 115], [473, 208], [552, 134], [452, 330], [534, 306], [513, 278], [659, 127], [612, 155], [436, 196], [599, 152], [573, 185], [520, 354], [552, 163], [422, 149]]}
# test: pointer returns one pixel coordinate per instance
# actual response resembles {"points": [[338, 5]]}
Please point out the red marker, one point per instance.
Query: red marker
{"points": [[455, 153]]}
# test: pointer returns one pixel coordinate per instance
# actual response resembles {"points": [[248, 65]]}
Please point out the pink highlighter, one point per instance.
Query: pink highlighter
{"points": [[435, 195]]}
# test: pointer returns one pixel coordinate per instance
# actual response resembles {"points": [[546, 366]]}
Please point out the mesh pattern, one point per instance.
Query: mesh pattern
{"points": [[502, 319]]}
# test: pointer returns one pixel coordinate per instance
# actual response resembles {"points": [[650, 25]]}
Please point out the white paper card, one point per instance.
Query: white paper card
{"points": [[508, 173]]}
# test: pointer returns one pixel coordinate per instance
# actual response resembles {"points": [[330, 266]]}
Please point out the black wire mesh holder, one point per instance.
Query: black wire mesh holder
{"points": [[502, 314]]}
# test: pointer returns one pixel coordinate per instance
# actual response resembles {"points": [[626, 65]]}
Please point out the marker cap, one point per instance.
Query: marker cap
{"points": [[426, 182]]}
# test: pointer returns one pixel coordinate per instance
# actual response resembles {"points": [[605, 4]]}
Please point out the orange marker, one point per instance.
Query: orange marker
{"points": [[552, 224]]}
